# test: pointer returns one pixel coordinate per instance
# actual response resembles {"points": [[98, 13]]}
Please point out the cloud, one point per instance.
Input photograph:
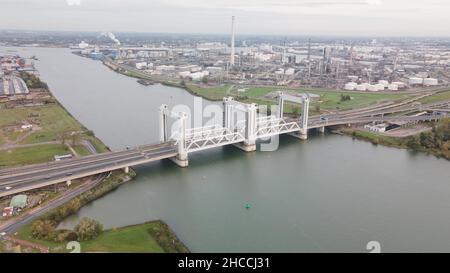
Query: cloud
{"points": [[402, 17]]}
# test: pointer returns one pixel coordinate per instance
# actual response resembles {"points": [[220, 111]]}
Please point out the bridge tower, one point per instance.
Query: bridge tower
{"points": [[182, 158], [230, 107], [303, 121]]}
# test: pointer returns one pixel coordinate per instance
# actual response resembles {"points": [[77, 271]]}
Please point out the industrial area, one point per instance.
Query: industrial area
{"points": [[389, 91], [367, 65]]}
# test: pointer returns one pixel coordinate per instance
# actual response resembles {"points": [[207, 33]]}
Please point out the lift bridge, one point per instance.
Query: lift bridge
{"points": [[242, 133]]}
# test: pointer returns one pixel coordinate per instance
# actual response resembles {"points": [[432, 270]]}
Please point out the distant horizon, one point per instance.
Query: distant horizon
{"points": [[224, 34], [337, 18]]}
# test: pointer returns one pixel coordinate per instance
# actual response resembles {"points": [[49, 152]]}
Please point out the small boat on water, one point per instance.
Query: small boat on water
{"points": [[145, 82]]}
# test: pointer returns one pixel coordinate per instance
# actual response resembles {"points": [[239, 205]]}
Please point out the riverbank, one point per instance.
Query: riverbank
{"points": [[34, 128], [435, 142], [151, 237], [326, 100], [50, 130]]}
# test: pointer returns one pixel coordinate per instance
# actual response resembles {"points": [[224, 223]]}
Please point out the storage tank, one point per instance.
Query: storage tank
{"points": [[430, 82], [373, 88], [393, 87], [415, 81], [361, 87], [384, 83], [381, 86], [350, 86], [400, 84], [353, 78]]}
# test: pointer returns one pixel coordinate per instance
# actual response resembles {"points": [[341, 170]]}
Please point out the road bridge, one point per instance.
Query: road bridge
{"points": [[244, 134]]}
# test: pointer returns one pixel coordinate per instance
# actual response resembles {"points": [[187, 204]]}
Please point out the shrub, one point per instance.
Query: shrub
{"points": [[61, 236], [42, 229], [88, 229]]}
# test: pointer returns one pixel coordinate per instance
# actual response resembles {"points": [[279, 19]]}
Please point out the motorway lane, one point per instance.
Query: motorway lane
{"points": [[14, 172], [75, 170], [13, 226]]}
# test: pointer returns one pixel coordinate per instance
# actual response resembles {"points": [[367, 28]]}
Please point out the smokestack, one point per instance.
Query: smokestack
{"points": [[309, 49], [232, 42]]}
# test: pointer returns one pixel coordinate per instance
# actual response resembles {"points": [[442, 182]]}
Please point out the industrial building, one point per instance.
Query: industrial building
{"points": [[11, 85]]}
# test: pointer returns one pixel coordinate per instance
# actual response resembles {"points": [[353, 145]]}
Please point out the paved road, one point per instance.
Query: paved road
{"points": [[21, 179], [13, 146], [13, 225]]}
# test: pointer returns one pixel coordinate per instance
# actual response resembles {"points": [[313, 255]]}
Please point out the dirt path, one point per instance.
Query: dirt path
{"points": [[8, 147]]}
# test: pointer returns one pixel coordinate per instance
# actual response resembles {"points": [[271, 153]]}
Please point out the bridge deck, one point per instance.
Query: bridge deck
{"points": [[37, 176]]}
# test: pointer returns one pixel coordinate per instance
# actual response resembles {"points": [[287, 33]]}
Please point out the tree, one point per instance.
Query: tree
{"points": [[317, 108], [345, 97], [205, 80], [413, 143], [75, 139], [427, 140], [42, 229], [88, 229]]}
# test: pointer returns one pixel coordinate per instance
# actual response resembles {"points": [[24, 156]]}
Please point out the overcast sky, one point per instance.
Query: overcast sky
{"points": [[296, 17]]}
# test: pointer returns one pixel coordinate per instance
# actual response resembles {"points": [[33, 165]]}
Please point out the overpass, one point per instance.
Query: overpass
{"points": [[243, 134]]}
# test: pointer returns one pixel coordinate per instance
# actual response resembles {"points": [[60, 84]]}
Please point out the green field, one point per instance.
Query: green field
{"points": [[52, 119], [31, 155], [151, 237], [329, 99], [443, 96], [134, 239], [50, 123], [211, 93], [81, 150]]}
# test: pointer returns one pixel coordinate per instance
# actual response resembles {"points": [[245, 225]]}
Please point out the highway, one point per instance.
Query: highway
{"points": [[17, 180], [20, 179], [15, 224]]}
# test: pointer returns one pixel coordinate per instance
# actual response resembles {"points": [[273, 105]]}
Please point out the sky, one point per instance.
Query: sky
{"points": [[271, 17]]}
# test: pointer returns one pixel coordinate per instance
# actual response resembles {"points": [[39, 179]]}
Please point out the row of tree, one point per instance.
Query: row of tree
{"points": [[437, 139], [32, 81]]}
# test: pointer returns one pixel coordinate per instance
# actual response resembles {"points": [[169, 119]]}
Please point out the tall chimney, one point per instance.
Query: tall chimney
{"points": [[232, 42]]}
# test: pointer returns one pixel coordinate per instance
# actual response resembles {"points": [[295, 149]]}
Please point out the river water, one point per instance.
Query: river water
{"points": [[328, 194]]}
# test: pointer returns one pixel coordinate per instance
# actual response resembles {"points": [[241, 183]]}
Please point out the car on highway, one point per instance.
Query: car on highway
{"points": [[3, 234], [8, 188], [69, 174]]}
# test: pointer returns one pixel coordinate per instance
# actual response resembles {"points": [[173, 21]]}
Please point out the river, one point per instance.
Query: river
{"points": [[327, 194]]}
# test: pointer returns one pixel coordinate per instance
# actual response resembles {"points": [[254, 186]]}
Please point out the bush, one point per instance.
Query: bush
{"points": [[42, 229], [345, 97], [60, 236], [88, 229]]}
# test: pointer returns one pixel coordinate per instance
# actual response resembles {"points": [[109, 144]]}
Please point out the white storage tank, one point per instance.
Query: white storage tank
{"points": [[384, 83], [373, 88], [393, 87], [381, 86], [415, 81], [430, 82], [400, 84], [353, 78], [350, 86], [361, 87]]}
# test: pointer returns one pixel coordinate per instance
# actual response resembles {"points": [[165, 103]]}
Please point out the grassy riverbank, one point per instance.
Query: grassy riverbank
{"points": [[435, 142], [54, 131], [329, 99], [151, 237]]}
